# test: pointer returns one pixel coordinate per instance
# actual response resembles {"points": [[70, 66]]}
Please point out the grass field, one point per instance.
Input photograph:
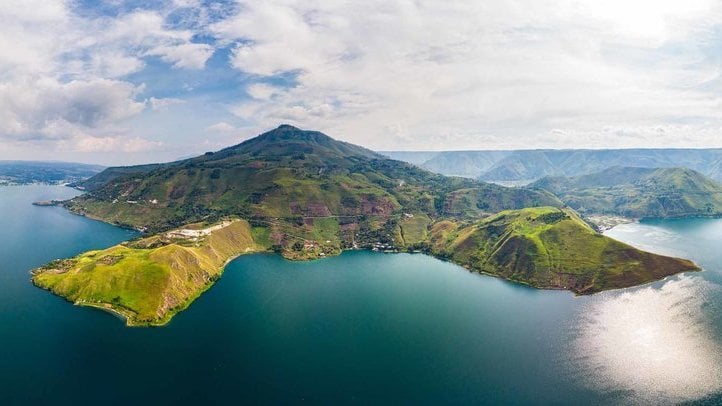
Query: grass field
{"points": [[147, 285], [549, 247]]}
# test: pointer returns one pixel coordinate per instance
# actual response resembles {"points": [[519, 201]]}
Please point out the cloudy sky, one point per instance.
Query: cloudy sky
{"points": [[131, 81]]}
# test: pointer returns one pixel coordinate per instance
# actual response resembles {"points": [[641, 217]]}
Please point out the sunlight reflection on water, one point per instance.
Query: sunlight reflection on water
{"points": [[654, 344]]}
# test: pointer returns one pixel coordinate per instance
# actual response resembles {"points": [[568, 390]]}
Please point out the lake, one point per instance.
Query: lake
{"points": [[362, 327]]}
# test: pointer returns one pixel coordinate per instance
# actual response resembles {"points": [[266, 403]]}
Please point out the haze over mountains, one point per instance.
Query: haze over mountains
{"points": [[24, 172], [531, 165]]}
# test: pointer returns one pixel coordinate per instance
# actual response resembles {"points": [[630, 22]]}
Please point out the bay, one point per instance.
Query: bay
{"points": [[362, 327]]}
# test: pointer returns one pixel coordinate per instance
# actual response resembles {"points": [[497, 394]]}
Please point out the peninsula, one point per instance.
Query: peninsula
{"points": [[306, 196]]}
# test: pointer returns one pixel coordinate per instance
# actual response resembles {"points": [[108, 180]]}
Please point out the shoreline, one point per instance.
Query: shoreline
{"points": [[126, 315], [610, 222], [606, 222]]}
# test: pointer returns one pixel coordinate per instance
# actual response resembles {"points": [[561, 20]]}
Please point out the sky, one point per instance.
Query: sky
{"points": [[124, 82]]}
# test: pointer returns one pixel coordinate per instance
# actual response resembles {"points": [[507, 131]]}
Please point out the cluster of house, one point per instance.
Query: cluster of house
{"points": [[154, 201], [383, 247]]}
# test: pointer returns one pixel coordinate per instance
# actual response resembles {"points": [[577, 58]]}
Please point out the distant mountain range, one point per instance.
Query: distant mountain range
{"points": [[25, 172], [639, 192], [531, 165]]}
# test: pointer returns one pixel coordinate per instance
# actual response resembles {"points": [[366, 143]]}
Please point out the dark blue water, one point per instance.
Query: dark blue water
{"points": [[359, 328]]}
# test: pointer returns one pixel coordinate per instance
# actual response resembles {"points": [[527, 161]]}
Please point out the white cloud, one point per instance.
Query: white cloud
{"points": [[139, 28], [112, 144], [186, 3], [483, 74], [402, 74], [113, 64], [26, 45], [160, 104], [262, 91], [37, 108], [63, 76], [191, 56], [221, 127]]}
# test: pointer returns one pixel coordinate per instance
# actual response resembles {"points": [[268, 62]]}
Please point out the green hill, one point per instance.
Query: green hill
{"points": [[149, 280], [306, 196], [303, 185], [550, 248], [109, 174], [639, 192]]}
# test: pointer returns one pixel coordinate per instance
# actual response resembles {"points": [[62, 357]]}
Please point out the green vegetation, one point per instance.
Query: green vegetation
{"points": [[639, 192], [149, 280], [305, 187], [307, 196], [489, 199], [414, 228], [553, 248]]}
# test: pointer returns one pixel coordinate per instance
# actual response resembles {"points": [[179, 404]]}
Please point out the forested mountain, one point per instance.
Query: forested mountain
{"points": [[639, 192]]}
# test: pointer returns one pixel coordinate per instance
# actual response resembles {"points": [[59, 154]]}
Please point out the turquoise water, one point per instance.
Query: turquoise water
{"points": [[359, 328]]}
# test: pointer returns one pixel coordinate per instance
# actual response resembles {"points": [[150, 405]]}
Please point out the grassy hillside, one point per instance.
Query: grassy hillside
{"points": [[639, 192], [302, 185], [485, 200], [548, 247], [149, 280], [97, 180]]}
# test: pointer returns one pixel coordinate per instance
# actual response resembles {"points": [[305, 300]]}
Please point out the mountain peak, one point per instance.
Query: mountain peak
{"points": [[289, 132], [287, 127], [287, 141]]}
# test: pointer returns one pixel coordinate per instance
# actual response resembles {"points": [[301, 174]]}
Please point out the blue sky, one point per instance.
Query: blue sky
{"points": [[120, 82]]}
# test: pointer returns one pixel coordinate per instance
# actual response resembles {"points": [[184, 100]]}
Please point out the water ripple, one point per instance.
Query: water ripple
{"points": [[654, 345]]}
